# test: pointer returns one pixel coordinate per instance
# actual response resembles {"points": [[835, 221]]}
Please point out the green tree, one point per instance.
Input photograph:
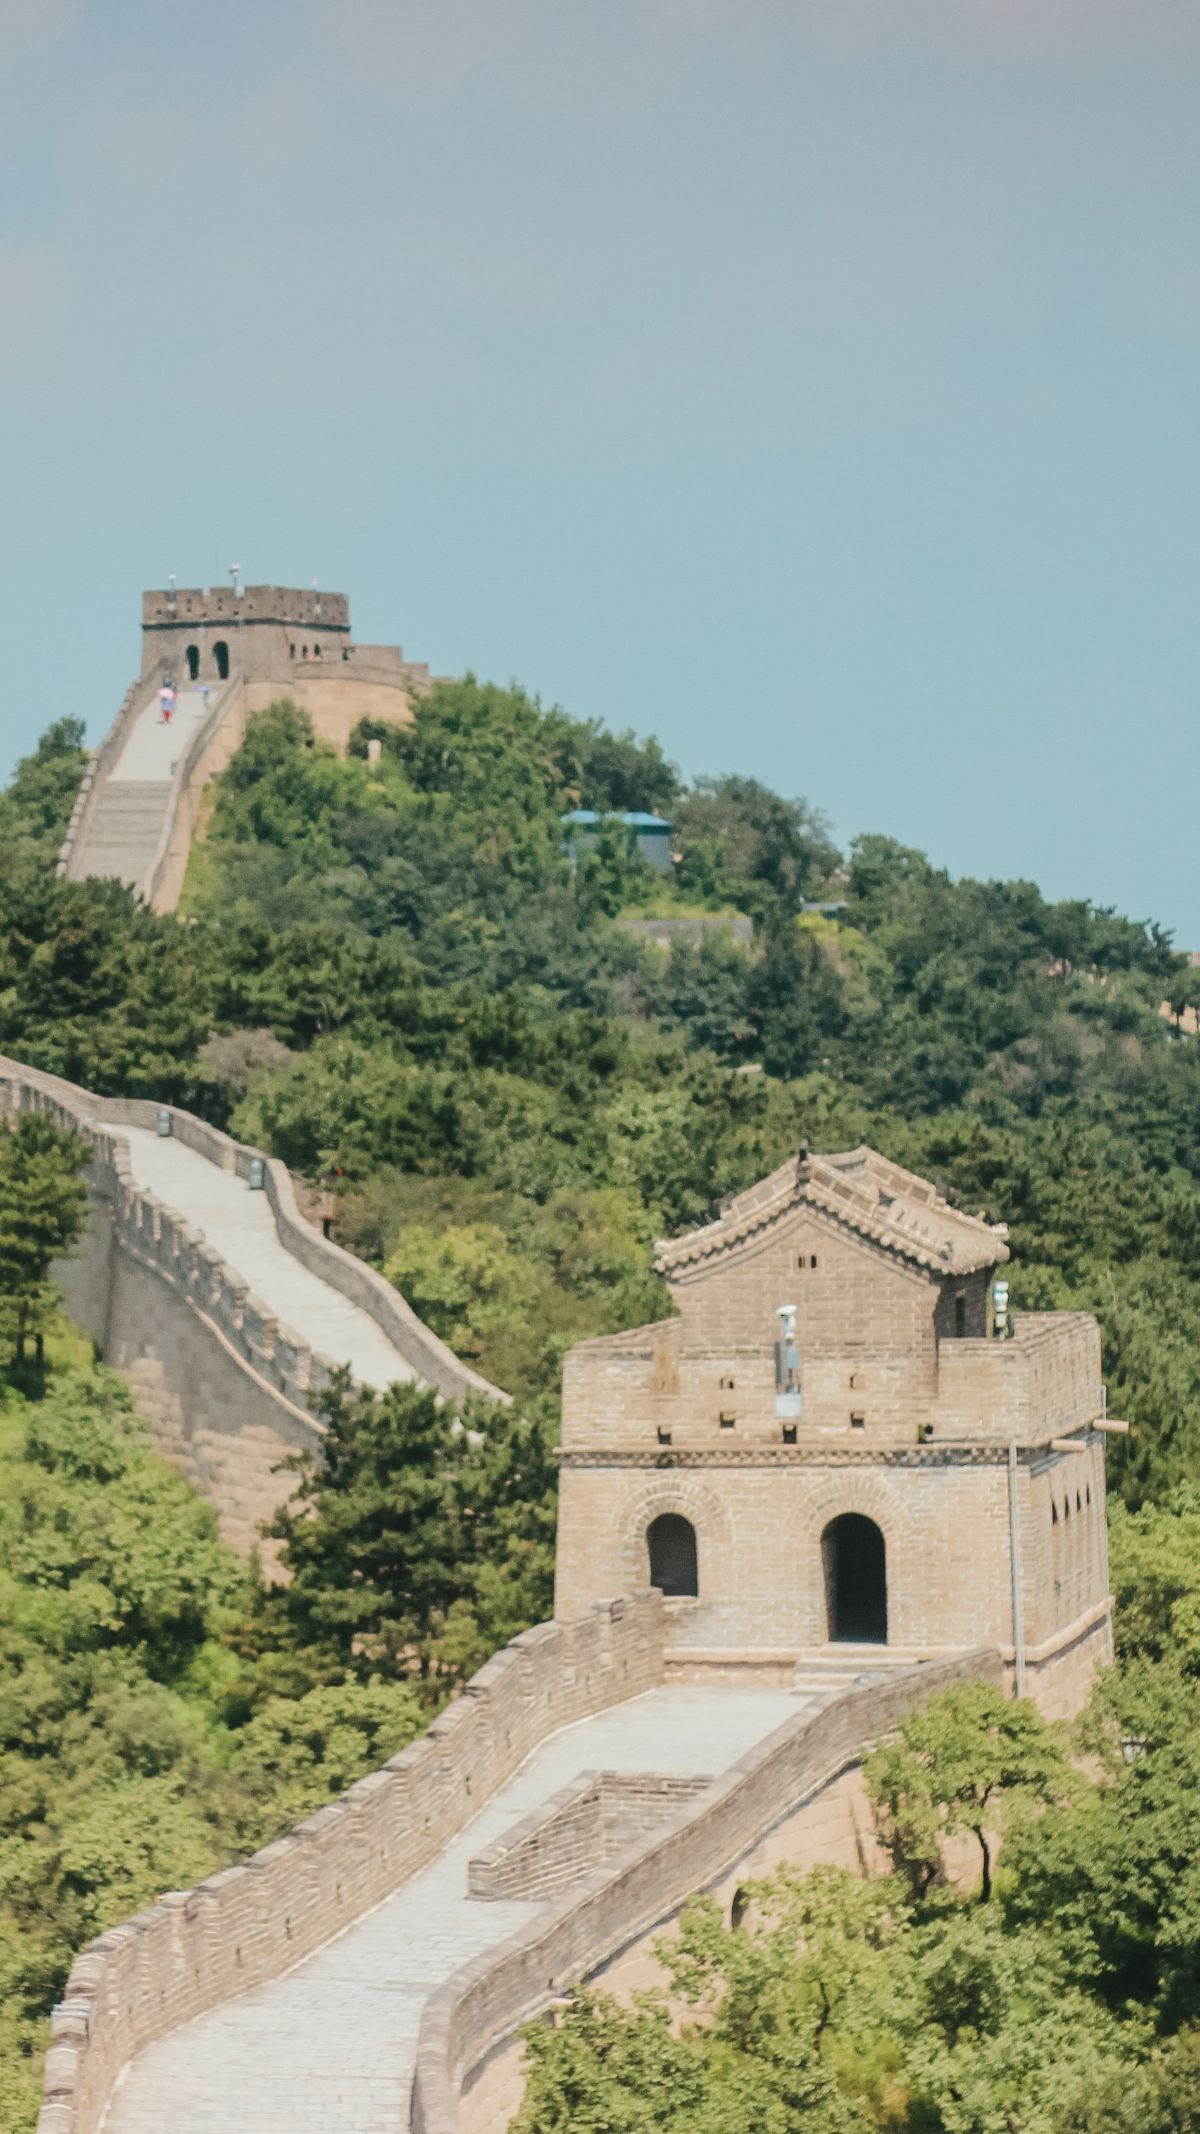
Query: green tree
{"points": [[397, 1521], [962, 1761], [43, 1206]]}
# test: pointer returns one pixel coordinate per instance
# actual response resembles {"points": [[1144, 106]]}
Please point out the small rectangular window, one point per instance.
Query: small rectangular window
{"points": [[664, 1435], [812, 1260], [789, 1433], [858, 1422], [728, 1419]]}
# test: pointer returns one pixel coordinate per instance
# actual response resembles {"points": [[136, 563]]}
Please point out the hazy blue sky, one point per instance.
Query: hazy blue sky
{"points": [[813, 384]]}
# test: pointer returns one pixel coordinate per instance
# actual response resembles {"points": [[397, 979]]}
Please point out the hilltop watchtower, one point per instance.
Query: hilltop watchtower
{"points": [[258, 631], [229, 651], [830, 1446]]}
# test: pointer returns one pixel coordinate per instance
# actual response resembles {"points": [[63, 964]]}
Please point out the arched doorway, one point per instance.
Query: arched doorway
{"points": [[193, 662], [221, 656], [855, 1565], [671, 1541]]}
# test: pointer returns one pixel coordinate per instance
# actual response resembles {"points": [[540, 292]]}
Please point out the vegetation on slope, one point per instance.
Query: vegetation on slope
{"points": [[388, 974], [392, 978], [141, 1744]]}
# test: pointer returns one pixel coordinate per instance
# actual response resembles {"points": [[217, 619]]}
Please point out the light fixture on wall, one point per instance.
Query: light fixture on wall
{"points": [[789, 1392]]}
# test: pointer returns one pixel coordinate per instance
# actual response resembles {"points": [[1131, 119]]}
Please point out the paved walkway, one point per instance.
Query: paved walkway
{"points": [[329, 2048], [153, 745], [240, 1226]]}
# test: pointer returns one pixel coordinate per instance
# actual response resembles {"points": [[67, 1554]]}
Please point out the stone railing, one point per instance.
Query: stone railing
{"points": [[195, 1948], [163, 1238], [167, 869], [619, 1902]]}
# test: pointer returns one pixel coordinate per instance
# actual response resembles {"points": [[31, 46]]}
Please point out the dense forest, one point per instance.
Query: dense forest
{"points": [[391, 974]]}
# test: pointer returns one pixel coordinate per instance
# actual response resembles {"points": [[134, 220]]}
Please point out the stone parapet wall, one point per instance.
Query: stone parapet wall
{"points": [[620, 1902], [195, 1948], [162, 1237], [594, 1818], [162, 886], [1042, 1383], [229, 1390]]}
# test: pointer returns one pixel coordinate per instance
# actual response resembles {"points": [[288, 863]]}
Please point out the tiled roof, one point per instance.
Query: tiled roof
{"points": [[861, 1189]]}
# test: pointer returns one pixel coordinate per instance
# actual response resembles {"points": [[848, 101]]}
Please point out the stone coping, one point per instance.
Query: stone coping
{"points": [[643, 1887], [935, 1452]]}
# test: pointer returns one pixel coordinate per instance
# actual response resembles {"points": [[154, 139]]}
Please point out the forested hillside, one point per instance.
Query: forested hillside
{"points": [[388, 974], [391, 978]]}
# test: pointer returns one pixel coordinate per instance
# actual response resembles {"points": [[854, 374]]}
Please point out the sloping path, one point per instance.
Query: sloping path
{"points": [[240, 1225], [154, 745], [132, 804], [329, 2048]]}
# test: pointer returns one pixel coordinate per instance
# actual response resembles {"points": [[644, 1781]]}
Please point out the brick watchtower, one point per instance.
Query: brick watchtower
{"points": [[206, 634], [890, 1474]]}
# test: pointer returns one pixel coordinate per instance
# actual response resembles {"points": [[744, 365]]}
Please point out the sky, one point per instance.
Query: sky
{"points": [[812, 383]]}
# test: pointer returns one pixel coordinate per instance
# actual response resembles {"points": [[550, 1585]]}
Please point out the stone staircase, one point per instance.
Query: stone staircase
{"points": [[122, 835], [829, 1670]]}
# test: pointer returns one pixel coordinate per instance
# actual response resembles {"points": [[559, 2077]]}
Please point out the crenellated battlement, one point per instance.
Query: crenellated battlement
{"points": [[252, 604]]}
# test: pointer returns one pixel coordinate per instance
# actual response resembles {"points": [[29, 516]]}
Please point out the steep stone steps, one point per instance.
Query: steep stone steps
{"points": [[829, 1669], [123, 834]]}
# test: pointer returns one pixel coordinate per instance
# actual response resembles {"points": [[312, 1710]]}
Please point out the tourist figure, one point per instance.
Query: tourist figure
{"points": [[166, 701]]}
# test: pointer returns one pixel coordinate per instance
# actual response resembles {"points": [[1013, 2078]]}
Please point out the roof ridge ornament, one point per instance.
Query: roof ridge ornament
{"points": [[803, 1166]]}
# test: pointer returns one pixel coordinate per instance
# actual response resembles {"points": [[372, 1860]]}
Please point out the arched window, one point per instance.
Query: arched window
{"points": [[671, 1542], [855, 1564], [221, 656], [193, 661]]}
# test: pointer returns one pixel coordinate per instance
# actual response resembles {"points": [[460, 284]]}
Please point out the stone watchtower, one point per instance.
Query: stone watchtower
{"points": [[278, 640], [840, 1442]]}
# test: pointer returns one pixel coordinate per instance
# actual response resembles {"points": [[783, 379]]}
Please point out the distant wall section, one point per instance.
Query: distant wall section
{"points": [[227, 1389]]}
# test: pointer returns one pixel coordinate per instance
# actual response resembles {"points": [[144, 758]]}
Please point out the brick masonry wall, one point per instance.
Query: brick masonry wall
{"points": [[594, 1818], [195, 1948], [725, 1833], [758, 1528], [906, 1422]]}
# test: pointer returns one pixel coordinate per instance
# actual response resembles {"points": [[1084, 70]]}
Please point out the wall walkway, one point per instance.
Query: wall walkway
{"points": [[124, 818], [224, 1307]]}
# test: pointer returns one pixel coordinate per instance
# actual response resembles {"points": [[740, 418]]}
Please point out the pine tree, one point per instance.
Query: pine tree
{"points": [[43, 1206]]}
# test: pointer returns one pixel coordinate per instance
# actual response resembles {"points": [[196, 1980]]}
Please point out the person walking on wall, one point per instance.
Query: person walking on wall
{"points": [[166, 700]]}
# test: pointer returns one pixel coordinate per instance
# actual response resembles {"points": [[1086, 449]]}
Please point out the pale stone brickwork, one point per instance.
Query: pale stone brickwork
{"points": [[910, 1410], [793, 1795], [594, 1818], [194, 1949]]}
